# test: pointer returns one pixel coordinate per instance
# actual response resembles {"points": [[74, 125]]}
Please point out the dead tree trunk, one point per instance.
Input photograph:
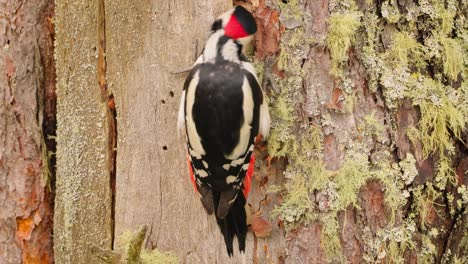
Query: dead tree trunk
{"points": [[27, 118]]}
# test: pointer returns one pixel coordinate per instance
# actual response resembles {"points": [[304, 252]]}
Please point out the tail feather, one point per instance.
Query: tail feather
{"points": [[234, 223]]}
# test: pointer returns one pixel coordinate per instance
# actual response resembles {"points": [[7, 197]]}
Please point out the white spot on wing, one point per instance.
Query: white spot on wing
{"points": [[245, 166], [205, 164], [226, 166], [230, 179], [237, 162], [202, 173], [194, 154]]}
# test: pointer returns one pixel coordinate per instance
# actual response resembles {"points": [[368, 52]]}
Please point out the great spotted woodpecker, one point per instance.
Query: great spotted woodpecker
{"points": [[222, 112]]}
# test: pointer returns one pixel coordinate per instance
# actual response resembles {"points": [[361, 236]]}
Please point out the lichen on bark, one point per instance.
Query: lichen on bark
{"points": [[350, 83]]}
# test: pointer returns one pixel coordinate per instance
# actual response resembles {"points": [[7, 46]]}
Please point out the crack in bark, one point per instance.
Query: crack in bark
{"points": [[111, 113]]}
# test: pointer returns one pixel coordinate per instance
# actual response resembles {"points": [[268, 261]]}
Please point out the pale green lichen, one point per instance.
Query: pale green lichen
{"points": [[404, 49], [440, 115], [330, 238], [453, 54], [408, 166], [424, 203], [348, 180], [398, 67], [390, 11], [135, 254], [341, 34]]}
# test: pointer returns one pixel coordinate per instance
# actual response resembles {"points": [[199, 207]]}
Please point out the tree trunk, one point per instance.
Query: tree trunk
{"points": [[83, 208], [368, 142], [145, 43], [27, 110], [369, 108]]}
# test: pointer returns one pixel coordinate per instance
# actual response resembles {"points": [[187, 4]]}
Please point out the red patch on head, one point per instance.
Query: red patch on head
{"points": [[234, 29]]}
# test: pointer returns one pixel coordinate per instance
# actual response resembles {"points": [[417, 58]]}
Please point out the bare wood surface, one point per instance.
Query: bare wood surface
{"points": [[146, 43]]}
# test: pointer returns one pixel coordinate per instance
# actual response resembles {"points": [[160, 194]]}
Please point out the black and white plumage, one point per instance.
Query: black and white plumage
{"points": [[222, 111]]}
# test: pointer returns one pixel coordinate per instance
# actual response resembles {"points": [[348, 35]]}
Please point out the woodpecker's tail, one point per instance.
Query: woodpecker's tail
{"points": [[234, 223]]}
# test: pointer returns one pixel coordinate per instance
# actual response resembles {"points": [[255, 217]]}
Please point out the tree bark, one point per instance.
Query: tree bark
{"points": [[336, 103], [26, 118], [83, 205], [352, 171]]}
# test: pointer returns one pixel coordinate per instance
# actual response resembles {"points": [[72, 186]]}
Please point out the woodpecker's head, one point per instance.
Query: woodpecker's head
{"points": [[237, 23]]}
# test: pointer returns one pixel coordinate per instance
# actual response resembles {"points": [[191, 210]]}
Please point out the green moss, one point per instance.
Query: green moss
{"points": [[341, 34]]}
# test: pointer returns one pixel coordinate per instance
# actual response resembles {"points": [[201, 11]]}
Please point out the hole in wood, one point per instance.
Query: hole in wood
{"points": [[171, 93], [163, 101], [164, 147]]}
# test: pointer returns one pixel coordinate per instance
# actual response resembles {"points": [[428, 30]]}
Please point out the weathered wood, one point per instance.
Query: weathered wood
{"points": [[26, 73], [83, 197], [147, 42]]}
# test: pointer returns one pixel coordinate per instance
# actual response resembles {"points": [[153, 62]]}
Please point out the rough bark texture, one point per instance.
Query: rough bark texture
{"points": [[83, 205], [26, 104], [355, 111]]}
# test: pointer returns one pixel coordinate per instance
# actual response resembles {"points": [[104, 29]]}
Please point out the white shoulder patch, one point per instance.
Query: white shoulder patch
{"points": [[264, 126], [244, 135], [192, 134]]}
